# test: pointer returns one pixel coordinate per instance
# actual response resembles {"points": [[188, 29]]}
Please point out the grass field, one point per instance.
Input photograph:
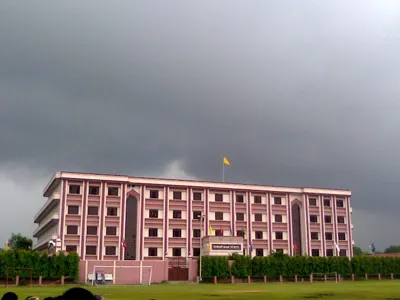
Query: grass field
{"points": [[388, 290]]}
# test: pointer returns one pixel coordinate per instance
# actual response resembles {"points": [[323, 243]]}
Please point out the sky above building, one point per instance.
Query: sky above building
{"points": [[294, 93]]}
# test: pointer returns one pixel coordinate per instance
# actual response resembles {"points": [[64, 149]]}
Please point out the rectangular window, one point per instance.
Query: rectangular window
{"points": [[259, 252], [91, 250], [177, 214], [327, 202], [312, 202], [279, 235], [239, 198], [197, 196], [329, 252], [113, 191], [176, 252], [219, 232], [152, 252], [219, 216], [240, 233], [111, 250], [93, 211], [313, 219], [342, 236], [314, 252], [259, 235], [196, 215], [75, 189], [177, 195], [257, 200], [239, 216], [258, 217], [340, 220], [328, 219], [72, 229], [177, 233], [279, 251], [278, 200], [153, 213], [328, 236], [70, 248], [153, 232], [154, 194], [73, 210], [196, 252], [196, 233], [94, 190], [110, 230], [314, 235], [91, 230], [339, 203], [219, 197], [278, 218], [112, 211], [343, 252]]}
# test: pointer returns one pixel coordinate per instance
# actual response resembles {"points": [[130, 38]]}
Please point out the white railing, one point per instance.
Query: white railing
{"points": [[54, 196]]}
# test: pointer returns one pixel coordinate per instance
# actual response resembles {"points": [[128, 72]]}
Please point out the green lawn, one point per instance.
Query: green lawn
{"points": [[388, 290]]}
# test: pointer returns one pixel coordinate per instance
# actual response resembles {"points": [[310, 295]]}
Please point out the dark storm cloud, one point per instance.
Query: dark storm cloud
{"points": [[293, 93]]}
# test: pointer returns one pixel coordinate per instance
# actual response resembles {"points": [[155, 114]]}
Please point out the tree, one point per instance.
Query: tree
{"points": [[18, 241], [393, 249], [357, 251]]}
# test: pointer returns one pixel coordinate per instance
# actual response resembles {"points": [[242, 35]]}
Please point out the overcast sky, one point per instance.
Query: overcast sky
{"points": [[302, 93]]}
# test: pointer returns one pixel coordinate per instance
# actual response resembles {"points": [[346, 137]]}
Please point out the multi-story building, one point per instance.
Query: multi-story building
{"points": [[115, 217]]}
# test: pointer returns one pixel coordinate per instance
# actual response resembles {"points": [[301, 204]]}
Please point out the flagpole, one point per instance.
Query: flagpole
{"points": [[223, 170]]}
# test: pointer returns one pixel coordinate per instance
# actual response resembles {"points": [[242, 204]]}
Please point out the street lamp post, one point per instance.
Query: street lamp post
{"points": [[201, 243]]}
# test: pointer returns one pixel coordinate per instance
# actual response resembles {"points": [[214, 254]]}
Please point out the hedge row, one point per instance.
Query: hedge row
{"points": [[275, 265], [49, 267]]}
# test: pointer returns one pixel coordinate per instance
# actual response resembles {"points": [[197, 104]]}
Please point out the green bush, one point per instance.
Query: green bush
{"points": [[49, 267]]}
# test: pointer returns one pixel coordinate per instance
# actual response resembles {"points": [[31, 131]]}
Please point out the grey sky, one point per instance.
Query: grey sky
{"points": [[300, 93]]}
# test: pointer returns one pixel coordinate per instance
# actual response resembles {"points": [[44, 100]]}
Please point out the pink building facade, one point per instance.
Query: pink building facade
{"points": [[157, 219]]}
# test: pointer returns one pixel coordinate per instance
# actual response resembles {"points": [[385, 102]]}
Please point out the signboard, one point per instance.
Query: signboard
{"points": [[229, 247]]}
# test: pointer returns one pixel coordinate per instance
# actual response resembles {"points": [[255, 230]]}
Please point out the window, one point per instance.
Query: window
{"points": [[313, 219], [259, 235], [239, 198], [196, 251], [196, 233], [177, 214], [240, 233], [91, 230], [74, 189], [113, 191], [176, 252], [328, 236], [112, 211], [259, 252], [327, 202], [219, 232], [93, 211], [177, 233], [196, 215], [153, 232], [312, 202], [73, 210], [329, 252], [342, 236], [278, 200], [328, 219], [278, 218], [219, 197], [279, 251], [197, 196], [153, 213], [70, 248], [152, 252], [219, 216], [91, 250], [258, 217], [177, 195], [340, 220], [111, 230], [94, 190], [154, 194], [72, 229], [240, 216], [314, 252], [343, 252], [111, 250], [279, 235], [314, 235], [339, 203], [257, 200]]}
